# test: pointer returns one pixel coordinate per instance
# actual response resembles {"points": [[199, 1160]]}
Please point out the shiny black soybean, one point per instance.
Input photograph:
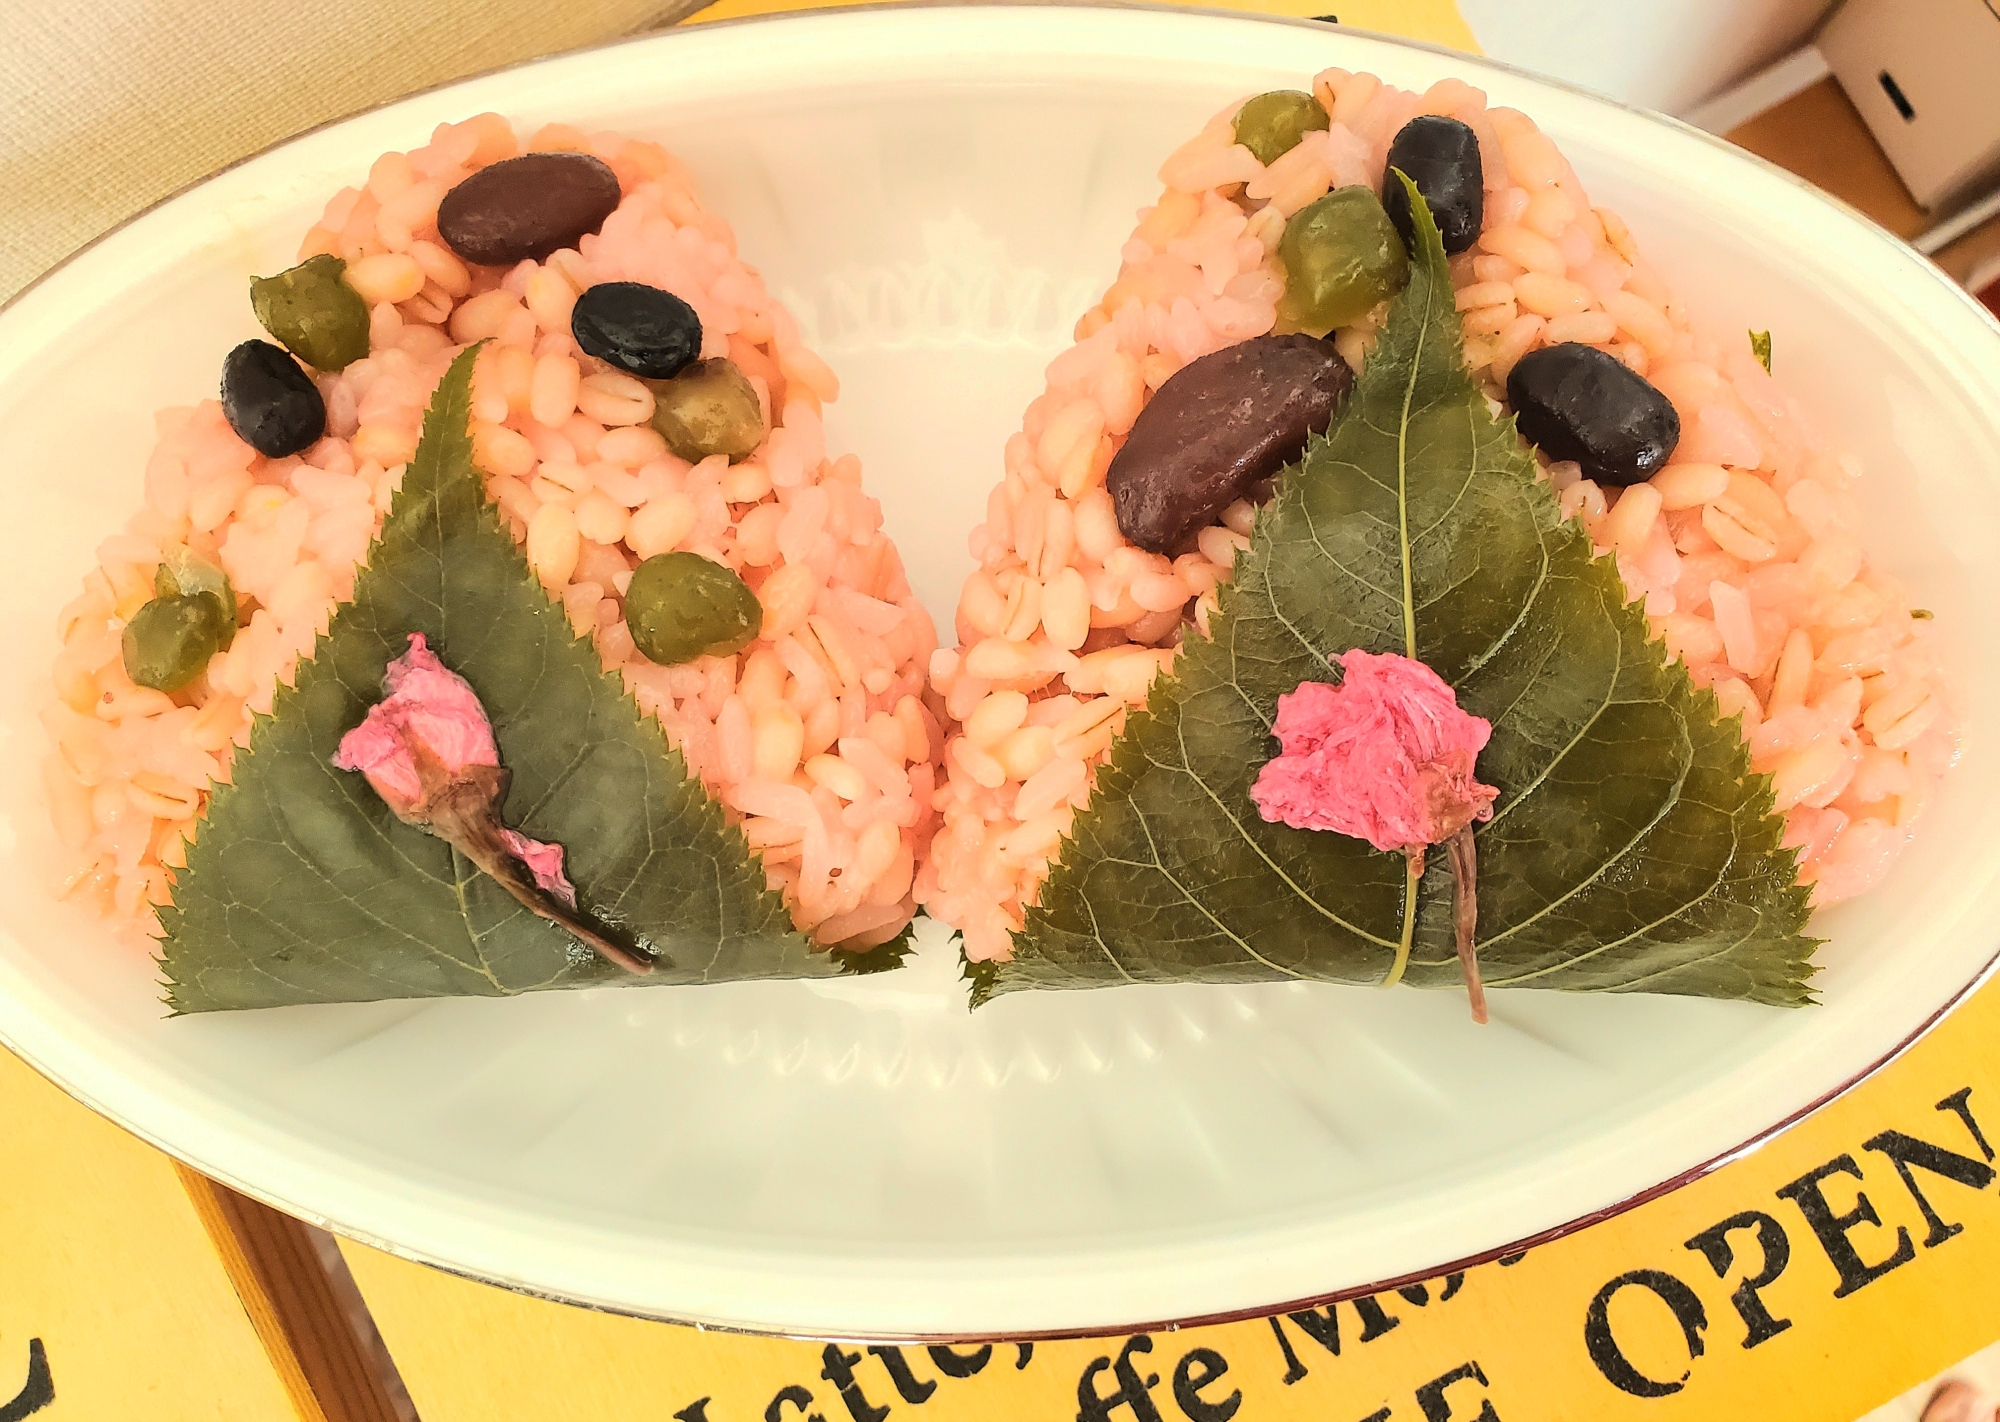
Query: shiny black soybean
{"points": [[638, 328], [1441, 155], [1575, 402], [270, 401]]}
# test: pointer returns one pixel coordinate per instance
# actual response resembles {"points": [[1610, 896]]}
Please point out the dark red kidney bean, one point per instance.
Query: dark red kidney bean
{"points": [[1441, 155], [270, 401], [1575, 402], [1221, 426], [522, 209]]}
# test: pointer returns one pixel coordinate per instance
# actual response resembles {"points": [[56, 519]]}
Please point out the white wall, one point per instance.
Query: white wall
{"points": [[1663, 54]]}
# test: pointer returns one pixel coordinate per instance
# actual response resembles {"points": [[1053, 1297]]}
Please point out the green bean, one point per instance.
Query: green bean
{"points": [[1272, 124], [709, 408], [169, 641], [1342, 258], [182, 573], [314, 313], [681, 606]]}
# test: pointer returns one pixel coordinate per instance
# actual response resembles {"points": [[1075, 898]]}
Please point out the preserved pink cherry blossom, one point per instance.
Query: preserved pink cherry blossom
{"points": [[1386, 756], [428, 705], [544, 861], [427, 749]]}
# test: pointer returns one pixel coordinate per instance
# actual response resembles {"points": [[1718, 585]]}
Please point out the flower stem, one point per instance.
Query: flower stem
{"points": [[464, 813], [1413, 860], [483, 848], [1465, 915]]}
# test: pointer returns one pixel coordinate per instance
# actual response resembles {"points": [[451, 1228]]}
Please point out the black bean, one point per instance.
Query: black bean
{"points": [[1219, 427], [270, 401], [639, 328], [1575, 402], [1441, 155], [522, 209]]}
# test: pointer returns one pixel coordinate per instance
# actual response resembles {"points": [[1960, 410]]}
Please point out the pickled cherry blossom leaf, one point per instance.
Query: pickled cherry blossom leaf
{"points": [[1631, 849], [302, 886], [882, 958], [984, 976], [1760, 347]]}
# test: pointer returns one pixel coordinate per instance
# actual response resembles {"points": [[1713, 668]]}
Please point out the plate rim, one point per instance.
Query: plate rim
{"points": [[862, 12]]}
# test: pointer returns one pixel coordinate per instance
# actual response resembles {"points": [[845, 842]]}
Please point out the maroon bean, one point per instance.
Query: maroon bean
{"points": [[1221, 426], [522, 209]]}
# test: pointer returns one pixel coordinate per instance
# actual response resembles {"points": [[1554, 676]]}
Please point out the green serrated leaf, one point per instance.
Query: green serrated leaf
{"points": [[1631, 848], [1760, 347], [984, 977], [882, 958], [302, 886]]}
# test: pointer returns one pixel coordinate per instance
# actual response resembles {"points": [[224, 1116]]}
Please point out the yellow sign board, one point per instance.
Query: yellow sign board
{"points": [[113, 1301]]}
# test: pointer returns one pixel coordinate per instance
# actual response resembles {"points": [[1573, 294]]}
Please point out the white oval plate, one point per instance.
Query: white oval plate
{"points": [[938, 193]]}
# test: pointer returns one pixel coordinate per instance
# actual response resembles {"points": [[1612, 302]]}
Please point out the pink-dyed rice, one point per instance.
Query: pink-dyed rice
{"points": [[815, 738], [1746, 548]]}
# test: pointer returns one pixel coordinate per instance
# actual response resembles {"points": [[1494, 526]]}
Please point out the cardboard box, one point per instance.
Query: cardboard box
{"points": [[1923, 74]]}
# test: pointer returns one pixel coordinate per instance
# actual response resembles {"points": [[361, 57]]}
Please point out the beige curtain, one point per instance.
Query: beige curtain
{"points": [[108, 105]]}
